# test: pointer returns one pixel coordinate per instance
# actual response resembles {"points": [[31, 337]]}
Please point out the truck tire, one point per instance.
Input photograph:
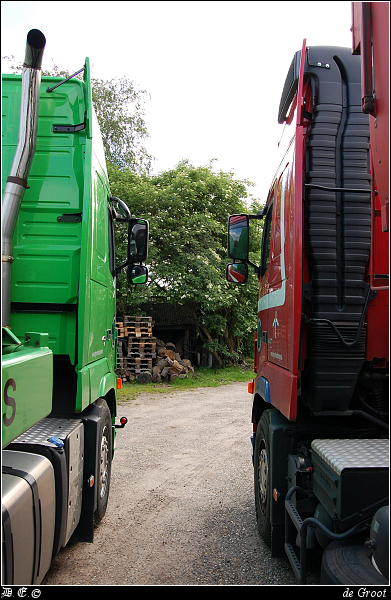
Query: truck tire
{"points": [[262, 480], [348, 563], [105, 453]]}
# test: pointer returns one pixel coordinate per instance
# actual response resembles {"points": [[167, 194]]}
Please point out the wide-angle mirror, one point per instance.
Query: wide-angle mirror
{"points": [[137, 274], [236, 272]]}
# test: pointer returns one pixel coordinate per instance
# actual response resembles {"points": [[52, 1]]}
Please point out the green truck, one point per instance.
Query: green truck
{"points": [[59, 341]]}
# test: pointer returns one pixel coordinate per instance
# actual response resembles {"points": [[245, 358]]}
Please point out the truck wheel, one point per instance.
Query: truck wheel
{"points": [[262, 481], [105, 452], [347, 563]]}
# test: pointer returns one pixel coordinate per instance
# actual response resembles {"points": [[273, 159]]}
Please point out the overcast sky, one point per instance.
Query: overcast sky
{"points": [[214, 70]]}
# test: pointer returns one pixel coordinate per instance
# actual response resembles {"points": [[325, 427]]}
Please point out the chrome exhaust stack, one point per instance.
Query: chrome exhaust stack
{"points": [[24, 154]]}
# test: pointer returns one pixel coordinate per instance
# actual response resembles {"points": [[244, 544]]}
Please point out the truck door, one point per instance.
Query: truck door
{"points": [[271, 306], [277, 325], [102, 283]]}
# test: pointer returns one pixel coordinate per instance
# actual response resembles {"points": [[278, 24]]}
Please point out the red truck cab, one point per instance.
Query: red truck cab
{"points": [[320, 395]]}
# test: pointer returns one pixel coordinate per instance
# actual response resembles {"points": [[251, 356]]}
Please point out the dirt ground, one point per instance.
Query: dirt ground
{"points": [[181, 508]]}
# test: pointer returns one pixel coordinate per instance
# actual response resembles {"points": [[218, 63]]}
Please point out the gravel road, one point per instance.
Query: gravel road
{"points": [[181, 508]]}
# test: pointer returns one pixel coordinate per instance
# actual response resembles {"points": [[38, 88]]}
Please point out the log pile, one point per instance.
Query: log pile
{"points": [[168, 364], [142, 356]]}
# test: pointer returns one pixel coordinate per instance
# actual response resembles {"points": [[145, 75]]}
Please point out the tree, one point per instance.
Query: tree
{"points": [[119, 109], [188, 208]]}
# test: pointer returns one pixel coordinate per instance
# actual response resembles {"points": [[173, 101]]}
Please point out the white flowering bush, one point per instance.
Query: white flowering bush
{"points": [[187, 209]]}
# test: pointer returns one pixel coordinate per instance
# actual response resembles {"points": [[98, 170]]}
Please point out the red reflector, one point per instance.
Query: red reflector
{"points": [[251, 387], [123, 420]]}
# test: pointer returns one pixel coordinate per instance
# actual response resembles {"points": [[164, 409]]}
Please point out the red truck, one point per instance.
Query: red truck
{"points": [[320, 396]]}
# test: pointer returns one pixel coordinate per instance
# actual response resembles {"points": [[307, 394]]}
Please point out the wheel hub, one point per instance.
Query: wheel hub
{"points": [[262, 478], [104, 463]]}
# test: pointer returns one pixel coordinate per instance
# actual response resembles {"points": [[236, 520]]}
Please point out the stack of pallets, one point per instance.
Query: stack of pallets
{"points": [[136, 347]]}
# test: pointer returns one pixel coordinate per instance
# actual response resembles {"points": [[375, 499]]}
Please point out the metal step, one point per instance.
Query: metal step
{"points": [[353, 454]]}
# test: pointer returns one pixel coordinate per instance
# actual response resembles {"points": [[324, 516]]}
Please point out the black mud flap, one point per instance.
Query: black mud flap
{"points": [[91, 417]]}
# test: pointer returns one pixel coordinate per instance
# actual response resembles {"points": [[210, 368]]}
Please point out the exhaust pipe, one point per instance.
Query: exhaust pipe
{"points": [[27, 141]]}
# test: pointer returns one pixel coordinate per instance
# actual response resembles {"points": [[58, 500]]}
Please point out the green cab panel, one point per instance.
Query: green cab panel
{"points": [[61, 325], [95, 380], [63, 274], [46, 244]]}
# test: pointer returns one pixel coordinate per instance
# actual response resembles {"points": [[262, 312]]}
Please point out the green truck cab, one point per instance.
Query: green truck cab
{"points": [[59, 341]]}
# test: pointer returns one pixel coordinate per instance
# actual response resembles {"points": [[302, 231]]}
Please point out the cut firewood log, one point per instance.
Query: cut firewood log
{"points": [[176, 368], [164, 372], [145, 376], [160, 364]]}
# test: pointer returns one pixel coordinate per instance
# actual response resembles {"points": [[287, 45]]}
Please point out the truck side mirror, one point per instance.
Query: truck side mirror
{"points": [[137, 241], [236, 272], [238, 237], [137, 274]]}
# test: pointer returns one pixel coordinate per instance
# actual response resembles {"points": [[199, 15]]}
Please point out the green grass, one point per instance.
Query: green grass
{"points": [[202, 377]]}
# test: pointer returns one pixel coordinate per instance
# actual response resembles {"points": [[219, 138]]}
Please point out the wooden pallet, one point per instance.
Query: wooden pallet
{"points": [[142, 344], [137, 319], [137, 345]]}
